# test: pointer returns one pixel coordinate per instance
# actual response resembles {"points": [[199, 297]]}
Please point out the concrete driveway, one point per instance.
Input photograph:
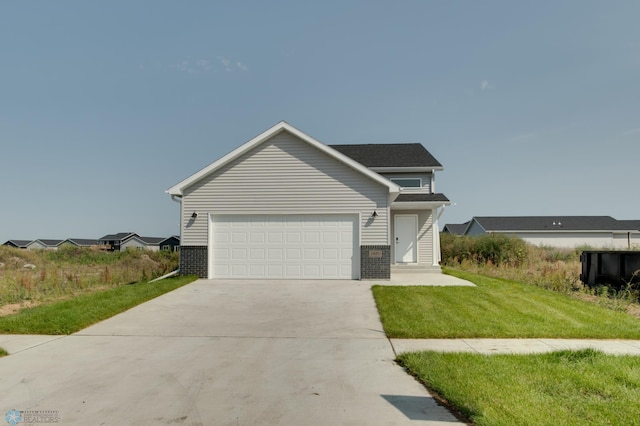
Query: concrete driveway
{"points": [[225, 353]]}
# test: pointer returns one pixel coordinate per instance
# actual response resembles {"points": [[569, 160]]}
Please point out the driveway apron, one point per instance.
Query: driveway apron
{"points": [[225, 352]]}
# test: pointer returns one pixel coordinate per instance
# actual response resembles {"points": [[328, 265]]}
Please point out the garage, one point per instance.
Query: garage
{"points": [[284, 246]]}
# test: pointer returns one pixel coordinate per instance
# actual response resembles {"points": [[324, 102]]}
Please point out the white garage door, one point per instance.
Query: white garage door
{"points": [[284, 246]]}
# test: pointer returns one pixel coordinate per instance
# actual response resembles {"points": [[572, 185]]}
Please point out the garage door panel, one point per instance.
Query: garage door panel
{"points": [[257, 271], [275, 271], [257, 237], [275, 253], [275, 237], [287, 246], [293, 253], [257, 254], [312, 254], [239, 254]]}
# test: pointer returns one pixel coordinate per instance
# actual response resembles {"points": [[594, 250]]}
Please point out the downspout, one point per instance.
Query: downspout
{"points": [[178, 199]]}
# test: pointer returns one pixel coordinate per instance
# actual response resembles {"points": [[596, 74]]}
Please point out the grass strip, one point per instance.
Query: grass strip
{"points": [[69, 316], [3, 353], [584, 387], [496, 308]]}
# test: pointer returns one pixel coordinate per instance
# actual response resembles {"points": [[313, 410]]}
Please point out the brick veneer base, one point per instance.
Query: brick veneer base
{"points": [[375, 262], [194, 260]]}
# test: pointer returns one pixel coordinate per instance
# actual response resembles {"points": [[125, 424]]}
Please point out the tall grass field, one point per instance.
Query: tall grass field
{"points": [[551, 268], [29, 278]]}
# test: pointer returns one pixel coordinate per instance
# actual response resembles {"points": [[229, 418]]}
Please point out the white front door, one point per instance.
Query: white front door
{"points": [[406, 238]]}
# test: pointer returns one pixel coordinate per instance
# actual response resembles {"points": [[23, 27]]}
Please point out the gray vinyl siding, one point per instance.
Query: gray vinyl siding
{"points": [[425, 235], [426, 178], [475, 229], [285, 175]]}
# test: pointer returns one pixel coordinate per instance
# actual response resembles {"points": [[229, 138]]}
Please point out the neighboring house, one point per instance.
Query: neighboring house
{"points": [[43, 244], [455, 228], [81, 242], [285, 205], [21, 244], [170, 244], [561, 231], [142, 243], [112, 242]]}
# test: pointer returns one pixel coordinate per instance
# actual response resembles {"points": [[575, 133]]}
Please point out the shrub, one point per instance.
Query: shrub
{"points": [[487, 249]]}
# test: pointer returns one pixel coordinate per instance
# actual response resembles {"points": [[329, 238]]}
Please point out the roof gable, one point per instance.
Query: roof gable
{"points": [[46, 242], [117, 237], [177, 190], [18, 243], [456, 228], [390, 155], [83, 242]]}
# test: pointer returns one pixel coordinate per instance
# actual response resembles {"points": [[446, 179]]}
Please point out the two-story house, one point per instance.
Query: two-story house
{"points": [[286, 206]]}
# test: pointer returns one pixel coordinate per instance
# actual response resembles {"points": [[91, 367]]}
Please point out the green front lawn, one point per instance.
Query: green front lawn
{"points": [[72, 315], [561, 388], [496, 308]]}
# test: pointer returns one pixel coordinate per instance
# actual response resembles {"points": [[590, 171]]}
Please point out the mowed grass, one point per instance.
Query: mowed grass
{"points": [[561, 388], [496, 308], [69, 316]]}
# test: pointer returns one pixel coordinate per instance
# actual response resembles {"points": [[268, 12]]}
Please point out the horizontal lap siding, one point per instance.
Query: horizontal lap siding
{"points": [[285, 175]]}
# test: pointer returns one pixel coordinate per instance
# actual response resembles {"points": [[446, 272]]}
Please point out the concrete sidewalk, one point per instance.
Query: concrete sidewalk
{"points": [[14, 343], [431, 279], [514, 346]]}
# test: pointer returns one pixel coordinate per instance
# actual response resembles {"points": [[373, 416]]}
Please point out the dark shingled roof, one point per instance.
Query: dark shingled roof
{"points": [[389, 155], [630, 224], [455, 228], [421, 197], [152, 240], [83, 241], [50, 243], [18, 243], [549, 223], [116, 237]]}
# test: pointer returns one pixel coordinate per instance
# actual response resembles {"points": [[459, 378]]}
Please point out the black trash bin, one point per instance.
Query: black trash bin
{"points": [[615, 268]]}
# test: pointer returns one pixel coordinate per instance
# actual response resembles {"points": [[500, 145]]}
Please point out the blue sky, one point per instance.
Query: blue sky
{"points": [[533, 108]]}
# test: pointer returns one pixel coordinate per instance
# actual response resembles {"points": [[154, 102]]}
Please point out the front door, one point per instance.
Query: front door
{"points": [[406, 238]]}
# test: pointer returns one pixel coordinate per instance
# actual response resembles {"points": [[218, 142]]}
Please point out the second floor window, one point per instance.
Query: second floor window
{"points": [[408, 182]]}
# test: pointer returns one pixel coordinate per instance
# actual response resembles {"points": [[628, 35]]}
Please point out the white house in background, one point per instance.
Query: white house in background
{"points": [[559, 231], [44, 244], [81, 242], [151, 243], [284, 205], [21, 244], [141, 243]]}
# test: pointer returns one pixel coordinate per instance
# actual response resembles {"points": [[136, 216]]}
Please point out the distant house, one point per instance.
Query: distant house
{"points": [[81, 242], [455, 228], [43, 244], [170, 244], [559, 231], [142, 243], [112, 242], [21, 244]]}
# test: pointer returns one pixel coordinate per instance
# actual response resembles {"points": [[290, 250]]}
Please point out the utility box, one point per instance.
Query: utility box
{"points": [[615, 268]]}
